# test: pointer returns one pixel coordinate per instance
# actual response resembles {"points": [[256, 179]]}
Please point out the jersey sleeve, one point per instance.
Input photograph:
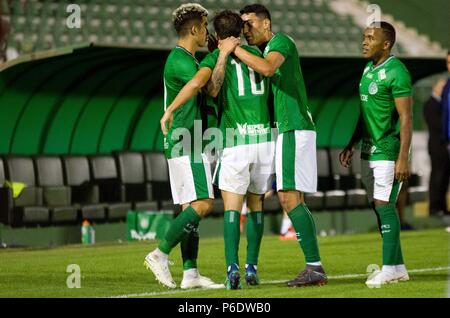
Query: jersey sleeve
{"points": [[252, 50], [210, 60], [184, 71], [280, 44], [401, 85]]}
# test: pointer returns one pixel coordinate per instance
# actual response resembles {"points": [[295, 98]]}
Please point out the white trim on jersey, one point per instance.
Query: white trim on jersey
{"points": [[165, 94]]}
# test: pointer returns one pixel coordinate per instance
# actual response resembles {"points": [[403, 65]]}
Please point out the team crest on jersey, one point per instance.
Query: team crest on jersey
{"points": [[373, 88], [369, 75]]}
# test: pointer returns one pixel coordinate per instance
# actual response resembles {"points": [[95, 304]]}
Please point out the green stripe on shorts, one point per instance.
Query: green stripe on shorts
{"points": [[200, 180], [217, 175], [288, 160], [394, 192]]}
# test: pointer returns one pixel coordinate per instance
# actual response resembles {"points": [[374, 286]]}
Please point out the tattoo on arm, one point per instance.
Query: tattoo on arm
{"points": [[215, 83]]}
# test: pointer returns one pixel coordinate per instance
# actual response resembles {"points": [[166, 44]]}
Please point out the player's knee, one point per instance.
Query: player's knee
{"points": [[255, 203], [203, 207], [378, 203], [286, 203], [290, 200]]}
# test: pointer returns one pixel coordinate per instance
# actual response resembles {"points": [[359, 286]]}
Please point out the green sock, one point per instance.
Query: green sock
{"points": [[254, 230], [182, 225], [378, 218], [399, 254], [390, 230], [303, 223], [231, 233], [189, 249]]}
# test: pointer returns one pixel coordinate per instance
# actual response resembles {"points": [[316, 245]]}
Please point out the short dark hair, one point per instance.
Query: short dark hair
{"points": [[388, 30], [227, 23], [258, 9], [186, 15]]}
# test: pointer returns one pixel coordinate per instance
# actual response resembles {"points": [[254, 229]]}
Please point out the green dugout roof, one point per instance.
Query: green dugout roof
{"points": [[88, 99]]}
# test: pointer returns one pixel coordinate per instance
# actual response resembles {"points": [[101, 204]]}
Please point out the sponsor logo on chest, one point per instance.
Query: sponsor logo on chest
{"points": [[252, 130]]}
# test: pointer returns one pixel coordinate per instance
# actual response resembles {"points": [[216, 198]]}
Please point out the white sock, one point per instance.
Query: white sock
{"points": [[190, 273], [161, 254], [285, 225], [319, 263], [244, 209], [400, 268], [388, 268]]}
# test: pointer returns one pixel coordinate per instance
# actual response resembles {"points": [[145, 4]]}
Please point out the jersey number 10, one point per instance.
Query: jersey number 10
{"points": [[254, 79]]}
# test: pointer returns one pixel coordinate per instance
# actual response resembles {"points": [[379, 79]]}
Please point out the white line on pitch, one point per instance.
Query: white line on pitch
{"points": [[270, 282]]}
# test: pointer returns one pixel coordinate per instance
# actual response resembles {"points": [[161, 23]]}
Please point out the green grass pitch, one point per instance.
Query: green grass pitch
{"points": [[111, 270]]}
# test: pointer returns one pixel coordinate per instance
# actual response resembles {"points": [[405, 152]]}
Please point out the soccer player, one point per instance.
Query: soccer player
{"points": [[385, 126], [245, 167], [190, 181], [296, 167]]}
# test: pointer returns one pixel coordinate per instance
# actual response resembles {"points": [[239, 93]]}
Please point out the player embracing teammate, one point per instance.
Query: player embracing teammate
{"points": [[295, 159], [246, 168]]}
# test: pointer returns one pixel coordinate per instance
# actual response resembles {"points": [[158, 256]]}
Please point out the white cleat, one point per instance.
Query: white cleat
{"points": [[160, 268], [199, 282], [379, 278]]}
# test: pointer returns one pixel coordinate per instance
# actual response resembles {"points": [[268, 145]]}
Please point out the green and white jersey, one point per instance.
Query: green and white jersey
{"points": [[242, 100], [381, 125], [180, 68], [290, 99]]}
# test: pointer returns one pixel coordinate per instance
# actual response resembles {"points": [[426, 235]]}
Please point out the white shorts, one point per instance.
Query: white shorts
{"points": [[190, 181], [378, 177], [296, 163], [246, 168]]}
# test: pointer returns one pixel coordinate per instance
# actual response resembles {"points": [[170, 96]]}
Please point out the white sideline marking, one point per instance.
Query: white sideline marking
{"points": [[270, 282]]}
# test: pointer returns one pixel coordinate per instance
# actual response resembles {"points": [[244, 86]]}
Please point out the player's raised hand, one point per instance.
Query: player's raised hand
{"points": [[229, 44], [166, 122], [345, 157]]}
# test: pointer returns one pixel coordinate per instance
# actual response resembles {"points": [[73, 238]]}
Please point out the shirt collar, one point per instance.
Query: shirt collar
{"points": [[187, 52], [378, 66]]}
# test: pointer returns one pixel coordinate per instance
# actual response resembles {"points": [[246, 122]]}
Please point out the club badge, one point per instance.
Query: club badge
{"points": [[373, 88]]}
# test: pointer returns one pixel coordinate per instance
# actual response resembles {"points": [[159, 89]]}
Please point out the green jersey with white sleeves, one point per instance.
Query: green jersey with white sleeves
{"points": [[242, 101], [378, 88], [290, 99]]}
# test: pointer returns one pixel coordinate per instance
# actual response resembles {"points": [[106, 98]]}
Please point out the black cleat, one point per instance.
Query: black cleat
{"points": [[310, 276]]}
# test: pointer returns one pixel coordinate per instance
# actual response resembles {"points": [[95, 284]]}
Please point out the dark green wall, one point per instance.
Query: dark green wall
{"points": [[431, 17], [97, 100]]}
